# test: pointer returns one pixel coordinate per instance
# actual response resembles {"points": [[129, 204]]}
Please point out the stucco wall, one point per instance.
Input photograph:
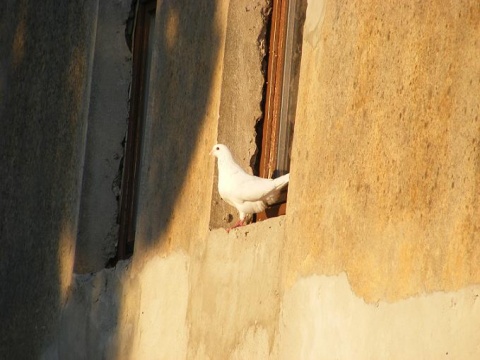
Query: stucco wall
{"points": [[219, 300], [322, 318], [182, 118], [45, 67], [377, 255], [107, 126], [386, 148], [384, 195]]}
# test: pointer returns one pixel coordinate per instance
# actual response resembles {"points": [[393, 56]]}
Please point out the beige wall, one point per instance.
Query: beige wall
{"points": [[107, 123], [387, 136], [386, 151], [377, 257], [46, 54], [322, 318]]}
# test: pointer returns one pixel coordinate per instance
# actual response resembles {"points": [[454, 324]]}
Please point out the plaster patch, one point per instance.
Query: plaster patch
{"points": [[160, 331], [321, 317], [313, 21], [255, 345]]}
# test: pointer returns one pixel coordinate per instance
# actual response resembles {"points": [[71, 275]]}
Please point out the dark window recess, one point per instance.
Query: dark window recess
{"points": [[284, 55], [142, 53]]}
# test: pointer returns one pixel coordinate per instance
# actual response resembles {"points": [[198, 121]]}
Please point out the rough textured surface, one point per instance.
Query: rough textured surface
{"points": [[177, 173], [221, 301], [387, 134], [225, 301], [45, 59], [323, 319], [235, 290], [377, 255], [90, 316], [107, 123]]}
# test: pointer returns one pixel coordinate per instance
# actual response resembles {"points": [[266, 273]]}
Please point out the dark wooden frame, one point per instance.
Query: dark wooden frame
{"points": [[132, 159], [273, 99]]}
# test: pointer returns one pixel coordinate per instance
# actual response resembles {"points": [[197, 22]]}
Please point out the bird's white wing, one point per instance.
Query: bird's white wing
{"points": [[246, 192], [253, 188]]}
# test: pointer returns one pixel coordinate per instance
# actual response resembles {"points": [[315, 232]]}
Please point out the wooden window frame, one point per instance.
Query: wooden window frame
{"points": [[133, 145], [282, 20]]}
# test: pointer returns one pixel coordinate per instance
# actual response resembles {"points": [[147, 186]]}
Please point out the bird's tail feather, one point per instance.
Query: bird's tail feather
{"points": [[281, 181]]}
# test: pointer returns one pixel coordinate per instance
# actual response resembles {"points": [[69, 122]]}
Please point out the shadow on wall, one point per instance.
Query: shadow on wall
{"points": [[44, 59], [185, 54], [186, 48]]}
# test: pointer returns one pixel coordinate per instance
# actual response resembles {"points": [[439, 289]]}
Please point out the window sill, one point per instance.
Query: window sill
{"points": [[266, 229]]}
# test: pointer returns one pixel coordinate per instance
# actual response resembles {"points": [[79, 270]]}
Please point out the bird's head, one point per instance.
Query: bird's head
{"points": [[220, 151]]}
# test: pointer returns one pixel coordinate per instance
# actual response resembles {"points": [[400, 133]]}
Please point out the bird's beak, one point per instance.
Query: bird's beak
{"points": [[210, 153]]}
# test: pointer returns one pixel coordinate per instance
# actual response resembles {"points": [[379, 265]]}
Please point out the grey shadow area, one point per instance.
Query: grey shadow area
{"points": [[187, 43], [45, 60]]}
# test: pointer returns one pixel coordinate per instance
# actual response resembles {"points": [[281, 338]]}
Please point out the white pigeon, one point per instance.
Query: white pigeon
{"points": [[247, 193]]}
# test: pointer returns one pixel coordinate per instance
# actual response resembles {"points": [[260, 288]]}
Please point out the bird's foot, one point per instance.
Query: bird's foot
{"points": [[237, 224]]}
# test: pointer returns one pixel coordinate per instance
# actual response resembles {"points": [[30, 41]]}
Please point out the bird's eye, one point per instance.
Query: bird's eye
{"points": [[218, 147]]}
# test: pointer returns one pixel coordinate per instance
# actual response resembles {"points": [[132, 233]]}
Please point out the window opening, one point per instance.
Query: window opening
{"points": [[142, 57], [281, 92]]}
